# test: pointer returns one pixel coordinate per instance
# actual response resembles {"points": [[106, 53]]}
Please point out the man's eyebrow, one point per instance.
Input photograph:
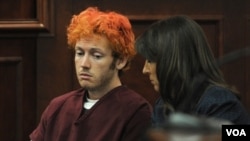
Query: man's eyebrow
{"points": [[92, 49], [77, 48], [95, 49]]}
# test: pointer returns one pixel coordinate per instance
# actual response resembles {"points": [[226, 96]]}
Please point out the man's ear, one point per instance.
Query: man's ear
{"points": [[121, 63]]}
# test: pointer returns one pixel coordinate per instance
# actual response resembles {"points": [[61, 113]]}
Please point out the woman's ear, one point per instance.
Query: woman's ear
{"points": [[121, 63]]}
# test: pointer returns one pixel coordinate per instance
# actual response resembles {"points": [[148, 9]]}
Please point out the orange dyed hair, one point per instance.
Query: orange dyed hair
{"points": [[114, 26]]}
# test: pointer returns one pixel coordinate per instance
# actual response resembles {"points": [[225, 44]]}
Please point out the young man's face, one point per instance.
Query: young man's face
{"points": [[95, 66]]}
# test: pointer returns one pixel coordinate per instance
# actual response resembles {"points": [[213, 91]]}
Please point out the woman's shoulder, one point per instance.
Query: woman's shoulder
{"points": [[218, 94], [222, 103]]}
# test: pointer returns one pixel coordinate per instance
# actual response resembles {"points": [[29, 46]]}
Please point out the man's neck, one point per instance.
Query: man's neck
{"points": [[97, 94]]}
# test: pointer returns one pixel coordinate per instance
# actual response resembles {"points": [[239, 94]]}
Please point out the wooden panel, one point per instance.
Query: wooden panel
{"points": [[54, 62], [20, 10], [211, 24], [26, 15], [149, 7], [20, 23], [17, 88], [11, 98]]}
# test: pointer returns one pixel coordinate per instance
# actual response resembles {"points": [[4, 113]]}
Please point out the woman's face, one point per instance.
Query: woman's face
{"points": [[150, 69]]}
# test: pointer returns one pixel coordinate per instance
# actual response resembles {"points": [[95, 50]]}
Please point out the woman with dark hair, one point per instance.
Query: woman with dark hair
{"points": [[183, 70]]}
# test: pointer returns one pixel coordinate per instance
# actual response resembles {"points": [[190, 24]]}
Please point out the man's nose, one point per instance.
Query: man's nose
{"points": [[85, 61]]}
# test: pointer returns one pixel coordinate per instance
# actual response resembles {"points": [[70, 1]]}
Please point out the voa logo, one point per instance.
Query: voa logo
{"points": [[236, 132]]}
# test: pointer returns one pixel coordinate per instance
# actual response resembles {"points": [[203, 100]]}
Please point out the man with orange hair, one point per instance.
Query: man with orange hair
{"points": [[102, 109]]}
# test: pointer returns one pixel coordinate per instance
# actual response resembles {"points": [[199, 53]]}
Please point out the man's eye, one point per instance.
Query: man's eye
{"points": [[79, 53], [97, 55]]}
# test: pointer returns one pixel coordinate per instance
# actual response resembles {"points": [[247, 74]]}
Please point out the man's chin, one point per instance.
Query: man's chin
{"points": [[86, 87]]}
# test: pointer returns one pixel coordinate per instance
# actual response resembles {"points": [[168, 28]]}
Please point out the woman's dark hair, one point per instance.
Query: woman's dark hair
{"points": [[185, 65]]}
